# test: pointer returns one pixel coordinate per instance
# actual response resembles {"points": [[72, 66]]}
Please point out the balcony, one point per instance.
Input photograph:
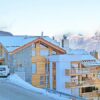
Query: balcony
{"points": [[1, 59], [71, 72], [85, 83], [1, 56], [90, 94]]}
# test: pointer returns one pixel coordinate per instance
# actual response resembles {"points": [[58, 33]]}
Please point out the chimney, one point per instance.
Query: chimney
{"points": [[65, 42], [42, 34], [62, 42], [95, 54], [53, 38]]}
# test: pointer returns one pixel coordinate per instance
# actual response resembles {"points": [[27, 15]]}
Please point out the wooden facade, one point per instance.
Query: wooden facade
{"points": [[41, 62], [1, 50], [54, 75], [2, 53], [39, 78]]}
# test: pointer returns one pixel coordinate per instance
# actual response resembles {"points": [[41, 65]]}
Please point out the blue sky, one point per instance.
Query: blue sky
{"points": [[31, 17]]}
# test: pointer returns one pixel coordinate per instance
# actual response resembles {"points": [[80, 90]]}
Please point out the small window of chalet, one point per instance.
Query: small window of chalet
{"points": [[54, 53], [33, 68], [42, 82], [33, 52], [44, 52], [41, 78], [43, 46]]}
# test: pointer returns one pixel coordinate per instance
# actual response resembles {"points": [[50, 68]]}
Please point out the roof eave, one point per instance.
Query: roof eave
{"points": [[62, 51]]}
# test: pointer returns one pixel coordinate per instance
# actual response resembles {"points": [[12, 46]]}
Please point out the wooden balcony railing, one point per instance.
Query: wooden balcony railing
{"points": [[1, 59], [80, 84], [71, 72], [90, 94]]}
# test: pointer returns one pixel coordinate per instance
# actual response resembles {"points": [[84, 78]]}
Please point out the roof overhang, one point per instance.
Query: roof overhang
{"points": [[43, 41], [91, 64]]}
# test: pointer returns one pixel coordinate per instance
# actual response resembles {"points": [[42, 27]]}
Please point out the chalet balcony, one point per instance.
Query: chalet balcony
{"points": [[85, 83], [90, 94], [1, 55], [71, 72], [1, 59]]}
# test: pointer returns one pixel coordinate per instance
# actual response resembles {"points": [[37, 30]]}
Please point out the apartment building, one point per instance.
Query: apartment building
{"points": [[77, 73]]}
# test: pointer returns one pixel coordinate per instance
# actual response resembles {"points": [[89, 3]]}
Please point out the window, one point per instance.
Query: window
{"points": [[20, 65], [47, 68], [89, 89], [33, 68], [33, 52], [54, 77], [41, 77], [54, 53], [0, 63], [43, 46], [41, 82], [94, 75], [44, 52], [33, 45]]}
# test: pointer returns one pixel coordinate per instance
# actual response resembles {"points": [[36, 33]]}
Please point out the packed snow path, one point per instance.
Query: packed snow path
{"points": [[13, 92]]}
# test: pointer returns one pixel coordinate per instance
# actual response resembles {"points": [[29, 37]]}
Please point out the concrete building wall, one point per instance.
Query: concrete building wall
{"points": [[61, 78], [75, 91], [22, 63], [10, 63], [6, 57], [63, 63], [60, 75], [27, 53], [61, 85]]}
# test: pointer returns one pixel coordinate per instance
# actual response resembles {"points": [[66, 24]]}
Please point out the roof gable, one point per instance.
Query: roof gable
{"points": [[43, 41]]}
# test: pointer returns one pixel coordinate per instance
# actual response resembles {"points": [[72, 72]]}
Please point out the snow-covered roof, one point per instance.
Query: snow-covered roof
{"points": [[55, 42], [91, 63], [71, 58], [13, 42], [77, 51]]}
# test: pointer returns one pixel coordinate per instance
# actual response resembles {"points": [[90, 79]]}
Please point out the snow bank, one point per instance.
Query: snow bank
{"points": [[15, 79]]}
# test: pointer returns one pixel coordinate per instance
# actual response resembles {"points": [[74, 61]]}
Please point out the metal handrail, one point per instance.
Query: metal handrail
{"points": [[66, 95]]}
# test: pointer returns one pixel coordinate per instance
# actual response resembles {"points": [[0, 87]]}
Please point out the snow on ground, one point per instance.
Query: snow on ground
{"points": [[15, 79]]}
